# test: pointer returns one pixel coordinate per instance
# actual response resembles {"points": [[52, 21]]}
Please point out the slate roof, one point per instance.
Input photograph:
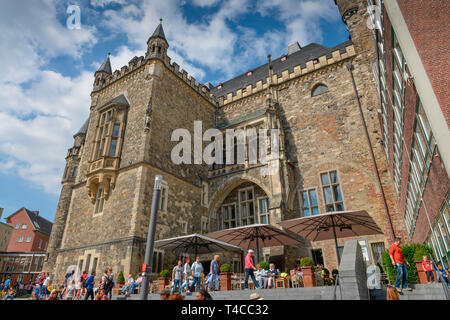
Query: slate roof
{"points": [[159, 32], [39, 223], [121, 99], [106, 66], [300, 57], [251, 115], [83, 128]]}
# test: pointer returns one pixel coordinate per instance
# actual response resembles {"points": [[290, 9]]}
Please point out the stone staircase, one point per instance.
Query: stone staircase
{"points": [[432, 291]]}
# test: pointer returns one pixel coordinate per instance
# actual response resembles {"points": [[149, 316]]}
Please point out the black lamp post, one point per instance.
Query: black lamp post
{"points": [[150, 239]]}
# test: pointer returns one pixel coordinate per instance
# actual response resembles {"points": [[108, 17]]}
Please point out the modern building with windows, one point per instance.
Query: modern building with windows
{"points": [[412, 79], [324, 161]]}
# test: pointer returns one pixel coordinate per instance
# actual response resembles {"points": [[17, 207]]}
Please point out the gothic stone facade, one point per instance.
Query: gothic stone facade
{"points": [[103, 211]]}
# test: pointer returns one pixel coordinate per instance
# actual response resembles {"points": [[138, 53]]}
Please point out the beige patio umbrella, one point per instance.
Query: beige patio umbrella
{"points": [[333, 225], [256, 236]]}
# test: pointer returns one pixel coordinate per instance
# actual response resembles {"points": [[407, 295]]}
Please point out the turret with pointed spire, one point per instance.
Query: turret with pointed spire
{"points": [[103, 73], [157, 44]]}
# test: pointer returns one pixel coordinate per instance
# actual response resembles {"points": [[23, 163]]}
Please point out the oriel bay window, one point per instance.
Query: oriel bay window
{"points": [[106, 151]]}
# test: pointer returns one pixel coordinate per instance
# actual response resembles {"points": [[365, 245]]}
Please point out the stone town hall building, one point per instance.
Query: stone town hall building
{"points": [[324, 165]]}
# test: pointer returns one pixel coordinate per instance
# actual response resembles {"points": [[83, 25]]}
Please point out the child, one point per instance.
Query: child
{"points": [[392, 293], [442, 275], [428, 267]]}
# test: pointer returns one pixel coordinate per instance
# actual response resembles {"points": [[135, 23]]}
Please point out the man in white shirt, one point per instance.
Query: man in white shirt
{"points": [[45, 285], [187, 274]]}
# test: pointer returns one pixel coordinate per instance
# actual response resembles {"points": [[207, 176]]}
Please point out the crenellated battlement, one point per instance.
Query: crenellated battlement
{"points": [[137, 62], [298, 70], [197, 86]]}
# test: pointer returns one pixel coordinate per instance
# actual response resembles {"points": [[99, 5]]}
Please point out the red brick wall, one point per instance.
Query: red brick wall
{"points": [[428, 24], [21, 217]]}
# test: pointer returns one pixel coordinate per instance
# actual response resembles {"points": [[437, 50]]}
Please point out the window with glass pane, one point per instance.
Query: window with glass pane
{"points": [[247, 206], [264, 211], [332, 191], [309, 202], [228, 216], [99, 200], [108, 134]]}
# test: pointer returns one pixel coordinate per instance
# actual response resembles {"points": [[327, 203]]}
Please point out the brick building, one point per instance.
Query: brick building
{"points": [[325, 161], [28, 242], [412, 72]]}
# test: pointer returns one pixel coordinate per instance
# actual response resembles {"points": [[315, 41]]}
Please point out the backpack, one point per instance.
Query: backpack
{"points": [[107, 283]]}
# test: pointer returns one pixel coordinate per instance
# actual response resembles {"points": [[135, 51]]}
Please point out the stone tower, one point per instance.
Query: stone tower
{"points": [[68, 180]]}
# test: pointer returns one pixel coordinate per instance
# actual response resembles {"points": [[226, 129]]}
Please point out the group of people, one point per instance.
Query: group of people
{"points": [[131, 284], [398, 261], [261, 278], [188, 276]]}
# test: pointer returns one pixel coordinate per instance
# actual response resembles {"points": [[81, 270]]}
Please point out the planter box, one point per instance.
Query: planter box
{"points": [[225, 281], [162, 283], [309, 279]]}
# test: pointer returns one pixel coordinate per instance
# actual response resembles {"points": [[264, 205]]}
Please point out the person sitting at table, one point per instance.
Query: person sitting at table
{"points": [[261, 276], [272, 273]]}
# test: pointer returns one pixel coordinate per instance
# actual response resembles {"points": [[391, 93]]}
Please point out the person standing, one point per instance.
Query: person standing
{"points": [[187, 274], [112, 284], [45, 285], [197, 269], [177, 277], [249, 268], [398, 261], [89, 283], [428, 267], [214, 272]]}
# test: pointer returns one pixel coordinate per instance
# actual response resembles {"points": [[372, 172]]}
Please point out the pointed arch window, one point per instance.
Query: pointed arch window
{"points": [[319, 89]]}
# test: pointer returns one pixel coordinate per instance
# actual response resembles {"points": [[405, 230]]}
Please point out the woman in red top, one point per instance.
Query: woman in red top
{"points": [[428, 267]]}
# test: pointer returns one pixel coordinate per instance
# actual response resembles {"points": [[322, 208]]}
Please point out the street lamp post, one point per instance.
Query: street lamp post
{"points": [[150, 239]]}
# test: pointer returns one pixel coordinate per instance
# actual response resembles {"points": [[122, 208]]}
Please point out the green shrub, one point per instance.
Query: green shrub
{"points": [[334, 272], [120, 277], [325, 271], [165, 274], [420, 252], [306, 262], [225, 267], [409, 250], [264, 265]]}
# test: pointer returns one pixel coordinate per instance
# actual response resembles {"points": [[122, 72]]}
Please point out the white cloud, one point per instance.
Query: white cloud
{"points": [[104, 3], [205, 3], [40, 109]]}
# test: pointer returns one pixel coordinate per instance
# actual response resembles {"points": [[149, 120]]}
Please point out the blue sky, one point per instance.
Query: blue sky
{"points": [[46, 69]]}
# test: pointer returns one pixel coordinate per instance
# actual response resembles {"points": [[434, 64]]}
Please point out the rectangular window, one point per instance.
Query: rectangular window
{"points": [[264, 211], [378, 249], [46, 245], [184, 227], [28, 239], [99, 201], [40, 244], [74, 172], [310, 205], [16, 226], [246, 206], [164, 196], [332, 191], [204, 226], [228, 216], [204, 194], [24, 226], [20, 239]]}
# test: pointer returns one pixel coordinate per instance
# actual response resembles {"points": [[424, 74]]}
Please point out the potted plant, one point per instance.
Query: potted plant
{"points": [[164, 278], [307, 265], [120, 279], [225, 277], [264, 265]]}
